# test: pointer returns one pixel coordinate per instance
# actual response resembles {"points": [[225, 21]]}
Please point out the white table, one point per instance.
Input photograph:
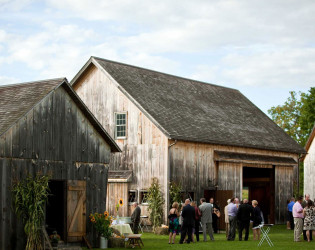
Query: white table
{"points": [[265, 228], [123, 228]]}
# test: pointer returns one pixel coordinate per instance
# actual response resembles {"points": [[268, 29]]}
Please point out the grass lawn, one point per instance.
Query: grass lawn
{"points": [[279, 235]]}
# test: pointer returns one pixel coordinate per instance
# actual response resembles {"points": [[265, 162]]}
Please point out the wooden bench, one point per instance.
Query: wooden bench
{"points": [[134, 240]]}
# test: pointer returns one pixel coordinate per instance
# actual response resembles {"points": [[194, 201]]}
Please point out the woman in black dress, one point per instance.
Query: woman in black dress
{"points": [[256, 220], [174, 223]]}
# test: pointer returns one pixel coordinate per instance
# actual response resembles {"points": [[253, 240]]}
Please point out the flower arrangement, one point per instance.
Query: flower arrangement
{"points": [[119, 204], [102, 223], [54, 238]]}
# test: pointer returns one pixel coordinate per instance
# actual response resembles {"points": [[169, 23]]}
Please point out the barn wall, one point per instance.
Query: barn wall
{"points": [[145, 149], [309, 171], [116, 191], [54, 137], [283, 191]]}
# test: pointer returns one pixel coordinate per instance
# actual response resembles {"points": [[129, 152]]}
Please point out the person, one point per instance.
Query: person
{"points": [[297, 212], [197, 220], [135, 217], [244, 213], [288, 216], [257, 219], [174, 223], [232, 211], [206, 219], [304, 204], [226, 218], [215, 215], [290, 206], [188, 214], [309, 219]]}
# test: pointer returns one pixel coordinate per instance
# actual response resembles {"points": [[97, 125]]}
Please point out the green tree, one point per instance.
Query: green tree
{"points": [[156, 203]]}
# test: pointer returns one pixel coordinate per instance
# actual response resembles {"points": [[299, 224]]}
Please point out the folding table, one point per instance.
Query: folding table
{"points": [[265, 228]]}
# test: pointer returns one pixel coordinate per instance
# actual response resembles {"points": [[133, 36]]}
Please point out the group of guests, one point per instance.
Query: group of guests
{"points": [[302, 213], [187, 220]]}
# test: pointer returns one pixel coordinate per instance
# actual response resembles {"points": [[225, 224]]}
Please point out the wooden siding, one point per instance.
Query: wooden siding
{"points": [[309, 171], [230, 177], [116, 191], [283, 191], [144, 151], [56, 138]]}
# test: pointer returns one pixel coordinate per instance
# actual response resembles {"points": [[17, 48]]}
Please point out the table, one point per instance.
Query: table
{"points": [[265, 228], [123, 228]]}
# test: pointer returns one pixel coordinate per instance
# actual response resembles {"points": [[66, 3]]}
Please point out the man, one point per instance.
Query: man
{"points": [[226, 219], [215, 215], [206, 219], [135, 217], [232, 211], [244, 214], [297, 212], [304, 204], [290, 206], [188, 214]]}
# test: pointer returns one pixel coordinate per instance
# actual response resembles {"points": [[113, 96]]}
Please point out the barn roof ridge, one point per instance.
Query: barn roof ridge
{"points": [[190, 110]]}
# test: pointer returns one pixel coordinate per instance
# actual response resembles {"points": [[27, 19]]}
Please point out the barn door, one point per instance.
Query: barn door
{"points": [[76, 210], [221, 196]]}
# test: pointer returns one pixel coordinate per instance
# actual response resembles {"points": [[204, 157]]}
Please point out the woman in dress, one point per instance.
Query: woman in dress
{"points": [[256, 220], [309, 219], [174, 223]]}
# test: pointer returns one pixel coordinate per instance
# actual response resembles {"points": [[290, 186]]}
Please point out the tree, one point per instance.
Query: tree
{"points": [[297, 115], [156, 202]]}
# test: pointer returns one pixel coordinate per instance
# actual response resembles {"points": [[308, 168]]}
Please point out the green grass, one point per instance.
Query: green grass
{"points": [[279, 235]]}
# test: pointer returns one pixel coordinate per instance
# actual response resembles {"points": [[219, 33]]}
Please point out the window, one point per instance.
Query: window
{"points": [[143, 197], [121, 125], [132, 196]]}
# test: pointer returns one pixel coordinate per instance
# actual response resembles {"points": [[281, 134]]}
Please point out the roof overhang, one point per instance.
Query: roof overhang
{"points": [[119, 176], [253, 158]]}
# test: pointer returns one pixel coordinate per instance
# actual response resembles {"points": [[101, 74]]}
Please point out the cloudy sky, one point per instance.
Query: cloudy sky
{"points": [[263, 48]]}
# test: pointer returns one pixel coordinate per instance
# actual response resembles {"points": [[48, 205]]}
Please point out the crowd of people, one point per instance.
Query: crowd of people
{"points": [[187, 220], [301, 217]]}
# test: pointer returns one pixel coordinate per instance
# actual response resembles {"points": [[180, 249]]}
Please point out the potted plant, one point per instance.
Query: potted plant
{"points": [[102, 223], [54, 238]]}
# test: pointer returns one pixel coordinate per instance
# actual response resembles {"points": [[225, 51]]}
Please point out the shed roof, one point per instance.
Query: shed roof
{"points": [[119, 175], [190, 110], [18, 99]]}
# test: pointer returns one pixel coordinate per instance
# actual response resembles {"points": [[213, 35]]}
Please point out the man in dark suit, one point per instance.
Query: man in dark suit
{"points": [[188, 215], [135, 218], [244, 214]]}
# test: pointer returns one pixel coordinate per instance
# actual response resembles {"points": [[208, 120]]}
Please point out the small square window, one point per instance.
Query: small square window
{"points": [[143, 197], [132, 196], [120, 125]]}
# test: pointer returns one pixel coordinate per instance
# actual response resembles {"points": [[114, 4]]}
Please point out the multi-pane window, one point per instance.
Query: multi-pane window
{"points": [[121, 125], [143, 197]]}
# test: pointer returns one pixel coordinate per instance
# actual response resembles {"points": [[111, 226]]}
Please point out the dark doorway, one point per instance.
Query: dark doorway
{"points": [[260, 184], [56, 209]]}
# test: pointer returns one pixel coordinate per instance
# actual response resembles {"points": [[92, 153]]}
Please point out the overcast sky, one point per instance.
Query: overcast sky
{"points": [[263, 48]]}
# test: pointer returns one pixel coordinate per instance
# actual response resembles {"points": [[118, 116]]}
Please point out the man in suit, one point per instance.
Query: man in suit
{"points": [[244, 214], [188, 214], [135, 218], [206, 219]]}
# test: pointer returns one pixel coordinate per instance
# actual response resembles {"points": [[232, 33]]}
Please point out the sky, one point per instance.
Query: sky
{"points": [[262, 48]]}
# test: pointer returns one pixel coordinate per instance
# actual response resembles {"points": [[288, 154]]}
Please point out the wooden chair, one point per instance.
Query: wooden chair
{"points": [[134, 240]]}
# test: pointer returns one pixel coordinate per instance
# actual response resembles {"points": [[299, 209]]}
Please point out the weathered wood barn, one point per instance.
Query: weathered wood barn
{"points": [[309, 166], [210, 138], [46, 128]]}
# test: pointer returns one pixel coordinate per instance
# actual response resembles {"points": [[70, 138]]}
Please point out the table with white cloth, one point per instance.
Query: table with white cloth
{"points": [[123, 228]]}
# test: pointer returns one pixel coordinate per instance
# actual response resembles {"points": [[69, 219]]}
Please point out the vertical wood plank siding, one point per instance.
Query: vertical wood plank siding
{"points": [[144, 151], [53, 138], [309, 171]]}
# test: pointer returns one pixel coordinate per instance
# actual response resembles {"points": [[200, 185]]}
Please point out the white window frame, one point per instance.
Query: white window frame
{"points": [[126, 119]]}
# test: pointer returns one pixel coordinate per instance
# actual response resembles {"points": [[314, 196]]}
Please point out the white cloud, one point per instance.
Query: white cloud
{"points": [[8, 80]]}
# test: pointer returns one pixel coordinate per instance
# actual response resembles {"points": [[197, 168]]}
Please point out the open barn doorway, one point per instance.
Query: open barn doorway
{"points": [[260, 184], [56, 208]]}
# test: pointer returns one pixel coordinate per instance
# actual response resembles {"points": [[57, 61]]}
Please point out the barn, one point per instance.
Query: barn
{"points": [[309, 166], [46, 128], [210, 138]]}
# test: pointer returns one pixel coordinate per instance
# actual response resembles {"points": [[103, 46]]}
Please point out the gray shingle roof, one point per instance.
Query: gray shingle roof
{"points": [[195, 111], [18, 99]]}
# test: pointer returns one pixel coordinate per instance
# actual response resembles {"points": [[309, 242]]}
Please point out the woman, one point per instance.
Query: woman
{"points": [[174, 223], [197, 221], [256, 220], [226, 219], [309, 219]]}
